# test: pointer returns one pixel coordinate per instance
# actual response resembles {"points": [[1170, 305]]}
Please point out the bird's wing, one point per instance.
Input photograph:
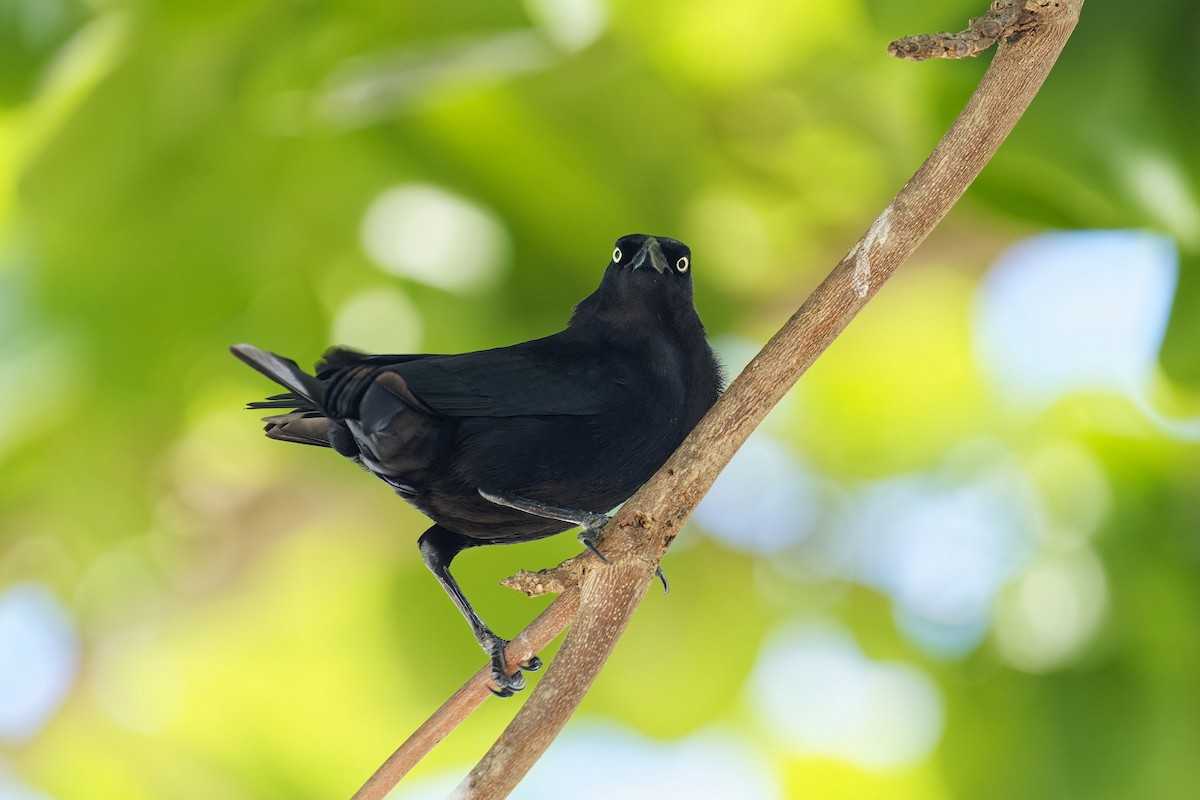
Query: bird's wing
{"points": [[540, 378]]}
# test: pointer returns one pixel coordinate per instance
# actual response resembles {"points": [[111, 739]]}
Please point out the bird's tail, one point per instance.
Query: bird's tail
{"points": [[353, 397], [306, 423]]}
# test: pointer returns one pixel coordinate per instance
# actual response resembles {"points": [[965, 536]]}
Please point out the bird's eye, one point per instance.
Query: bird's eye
{"points": [[682, 264], [616, 255]]}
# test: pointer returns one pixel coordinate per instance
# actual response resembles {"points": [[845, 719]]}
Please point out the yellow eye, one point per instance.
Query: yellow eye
{"points": [[616, 255], [683, 264]]}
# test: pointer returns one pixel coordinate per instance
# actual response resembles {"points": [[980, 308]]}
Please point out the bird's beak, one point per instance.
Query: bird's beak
{"points": [[650, 254]]}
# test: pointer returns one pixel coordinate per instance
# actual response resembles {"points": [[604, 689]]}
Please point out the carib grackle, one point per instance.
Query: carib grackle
{"points": [[520, 442]]}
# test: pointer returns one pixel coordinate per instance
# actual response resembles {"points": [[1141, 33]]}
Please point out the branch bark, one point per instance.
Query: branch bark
{"points": [[1031, 33]]}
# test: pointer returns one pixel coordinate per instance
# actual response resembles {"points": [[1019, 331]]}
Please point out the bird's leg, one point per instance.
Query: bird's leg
{"points": [[590, 523], [438, 548]]}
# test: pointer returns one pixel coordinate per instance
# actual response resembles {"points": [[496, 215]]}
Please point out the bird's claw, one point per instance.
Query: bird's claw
{"points": [[662, 577], [505, 685], [587, 538]]}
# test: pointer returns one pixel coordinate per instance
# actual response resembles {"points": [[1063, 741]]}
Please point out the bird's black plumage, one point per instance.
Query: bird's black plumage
{"points": [[519, 442]]}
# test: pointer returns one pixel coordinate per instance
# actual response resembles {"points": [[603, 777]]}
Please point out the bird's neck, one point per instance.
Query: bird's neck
{"points": [[651, 329]]}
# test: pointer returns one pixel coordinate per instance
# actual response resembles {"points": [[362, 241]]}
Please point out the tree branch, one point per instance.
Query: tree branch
{"points": [[543, 630], [981, 33], [1031, 33]]}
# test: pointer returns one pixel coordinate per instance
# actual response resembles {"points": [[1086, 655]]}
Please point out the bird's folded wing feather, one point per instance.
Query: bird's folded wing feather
{"points": [[531, 379]]}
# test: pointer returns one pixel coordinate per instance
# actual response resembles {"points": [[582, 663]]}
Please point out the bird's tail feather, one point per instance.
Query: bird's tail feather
{"points": [[300, 427], [286, 400], [286, 373]]}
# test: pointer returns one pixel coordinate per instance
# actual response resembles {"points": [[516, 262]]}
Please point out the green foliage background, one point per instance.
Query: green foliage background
{"points": [[255, 620]]}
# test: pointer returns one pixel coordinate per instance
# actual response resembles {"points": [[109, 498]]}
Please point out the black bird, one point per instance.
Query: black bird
{"points": [[520, 442]]}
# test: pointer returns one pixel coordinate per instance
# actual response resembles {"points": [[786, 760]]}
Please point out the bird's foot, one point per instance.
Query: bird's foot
{"points": [[590, 523], [591, 533], [505, 685]]}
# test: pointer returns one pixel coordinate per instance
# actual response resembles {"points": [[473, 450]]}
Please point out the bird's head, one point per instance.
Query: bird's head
{"points": [[636, 251], [646, 275]]}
